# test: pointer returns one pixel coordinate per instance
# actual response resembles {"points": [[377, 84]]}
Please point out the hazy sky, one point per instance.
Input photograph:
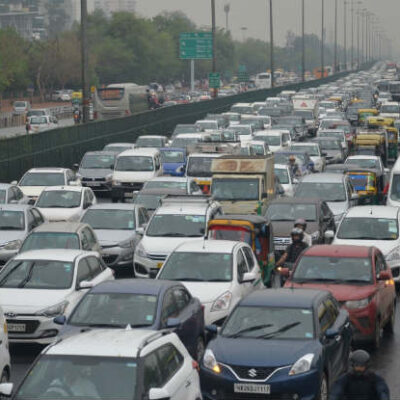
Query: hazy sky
{"points": [[252, 14]]}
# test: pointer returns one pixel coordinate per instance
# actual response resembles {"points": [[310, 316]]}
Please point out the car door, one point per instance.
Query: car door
{"points": [[241, 288], [83, 273], [190, 315], [89, 237], [32, 222], [252, 266], [169, 308]]}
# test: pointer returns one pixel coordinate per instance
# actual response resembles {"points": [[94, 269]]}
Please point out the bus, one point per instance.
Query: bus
{"points": [[119, 100], [263, 81]]}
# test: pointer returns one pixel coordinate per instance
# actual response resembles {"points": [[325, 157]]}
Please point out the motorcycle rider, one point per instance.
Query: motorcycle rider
{"points": [[294, 249], [360, 383], [302, 224]]}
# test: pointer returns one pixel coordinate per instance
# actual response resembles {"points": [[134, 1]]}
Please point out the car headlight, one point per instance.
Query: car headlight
{"points": [[302, 365], [393, 255], [140, 251], [13, 245], [210, 362], [116, 183], [338, 217], [54, 311], [126, 244], [352, 304], [315, 235], [222, 303]]}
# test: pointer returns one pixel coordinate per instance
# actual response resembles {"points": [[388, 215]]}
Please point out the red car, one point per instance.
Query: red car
{"points": [[358, 277]]}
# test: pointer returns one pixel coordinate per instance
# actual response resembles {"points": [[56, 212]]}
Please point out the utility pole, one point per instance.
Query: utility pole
{"points": [[227, 9], [352, 36], [322, 40], [358, 38], [271, 43], [335, 45], [345, 33], [84, 63], [366, 37], [362, 36], [303, 51], [214, 59]]}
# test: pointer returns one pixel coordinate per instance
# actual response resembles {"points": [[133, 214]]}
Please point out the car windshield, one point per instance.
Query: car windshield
{"points": [[115, 310], [334, 191], [229, 233], [282, 175], [242, 130], [233, 117], [98, 161], [177, 225], [312, 150], [390, 109], [330, 145], [184, 142], [171, 156], [368, 229], [338, 135], [304, 113], [37, 274], [38, 120], [207, 267], [50, 240], [363, 162], [182, 185], [19, 104], [270, 140], [207, 125], [110, 219], [3, 196], [42, 179], [185, 129], [277, 323], [149, 142], [333, 269], [235, 189], [150, 201], [117, 149], [134, 163], [291, 212], [56, 377], [199, 166], [59, 199], [242, 109], [12, 220], [395, 188]]}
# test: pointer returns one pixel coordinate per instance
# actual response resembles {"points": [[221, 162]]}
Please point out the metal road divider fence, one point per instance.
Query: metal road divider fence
{"points": [[62, 147]]}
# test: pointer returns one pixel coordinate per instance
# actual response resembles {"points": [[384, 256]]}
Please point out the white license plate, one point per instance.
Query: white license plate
{"points": [[251, 388], [128, 194], [16, 327], [93, 184], [280, 247]]}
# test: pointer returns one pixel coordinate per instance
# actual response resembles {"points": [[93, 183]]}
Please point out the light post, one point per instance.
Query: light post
{"points": [[243, 29], [214, 59], [322, 39], [303, 55], [227, 9], [271, 42], [335, 45], [345, 32], [84, 63]]}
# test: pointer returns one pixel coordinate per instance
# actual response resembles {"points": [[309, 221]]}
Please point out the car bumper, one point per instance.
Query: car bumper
{"points": [[38, 329], [144, 265], [125, 190], [117, 257], [97, 186], [282, 386]]}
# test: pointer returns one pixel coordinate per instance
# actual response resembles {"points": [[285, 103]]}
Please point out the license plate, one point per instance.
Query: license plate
{"points": [[16, 327], [251, 388], [128, 194], [280, 247], [93, 184], [159, 265]]}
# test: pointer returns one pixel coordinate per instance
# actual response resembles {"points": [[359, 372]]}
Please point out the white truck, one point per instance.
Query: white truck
{"points": [[307, 108]]}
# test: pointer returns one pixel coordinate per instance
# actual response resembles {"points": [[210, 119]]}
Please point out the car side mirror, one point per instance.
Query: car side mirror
{"points": [[85, 285], [295, 181], [212, 329], [140, 230], [14, 183], [158, 394], [331, 333], [248, 277], [387, 170], [75, 167], [173, 323], [355, 196], [329, 235], [60, 320], [384, 276], [285, 272], [6, 389]]}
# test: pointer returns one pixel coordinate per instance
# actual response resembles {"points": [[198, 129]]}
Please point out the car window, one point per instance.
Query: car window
{"points": [[84, 273], [91, 240], [85, 239], [249, 257], [325, 317], [379, 265], [142, 217], [16, 193], [95, 266], [38, 217], [31, 220], [241, 264], [333, 308], [11, 195], [170, 361], [182, 298], [169, 309], [152, 373]]}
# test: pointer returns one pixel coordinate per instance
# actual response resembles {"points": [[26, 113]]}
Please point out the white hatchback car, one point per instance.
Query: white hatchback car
{"points": [[218, 272], [65, 203], [5, 362], [122, 364], [38, 285]]}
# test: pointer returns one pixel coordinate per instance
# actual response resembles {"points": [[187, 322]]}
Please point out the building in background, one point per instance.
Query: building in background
{"points": [[112, 6]]}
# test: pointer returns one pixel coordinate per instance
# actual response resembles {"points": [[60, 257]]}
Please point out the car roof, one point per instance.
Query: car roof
{"points": [[64, 187], [152, 136], [268, 133], [102, 343], [68, 255], [164, 191], [325, 177], [15, 207], [5, 185], [113, 206], [48, 169], [338, 250], [65, 227], [169, 179], [362, 157], [294, 298], [205, 155], [143, 151], [179, 208], [295, 200], [119, 144], [207, 246], [373, 212], [100, 152], [136, 286]]}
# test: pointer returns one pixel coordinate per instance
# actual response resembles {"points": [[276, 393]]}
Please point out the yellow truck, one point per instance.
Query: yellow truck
{"points": [[243, 184]]}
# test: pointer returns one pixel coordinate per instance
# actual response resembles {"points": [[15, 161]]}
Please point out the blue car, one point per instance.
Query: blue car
{"points": [[140, 303], [278, 344], [173, 160]]}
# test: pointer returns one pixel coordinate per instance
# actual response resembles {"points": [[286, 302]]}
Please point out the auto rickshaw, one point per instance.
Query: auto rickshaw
{"points": [[255, 230], [393, 143], [379, 122], [364, 113], [377, 139], [365, 183]]}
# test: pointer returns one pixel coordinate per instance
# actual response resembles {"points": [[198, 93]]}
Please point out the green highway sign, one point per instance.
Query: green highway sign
{"points": [[196, 46], [214, 80]]}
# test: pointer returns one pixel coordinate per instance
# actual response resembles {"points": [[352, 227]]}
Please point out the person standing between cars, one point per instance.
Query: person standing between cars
{"points": [[360, 383], [302, 224], [294, 249], [294, 167]]}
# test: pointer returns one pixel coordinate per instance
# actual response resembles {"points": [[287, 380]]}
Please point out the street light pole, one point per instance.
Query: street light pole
{"points": [[303, 47], [227, 8], [271, 44], [345, 33], [322, 40], [213, 29], [335, 45], [84, 63], [352, 36]]}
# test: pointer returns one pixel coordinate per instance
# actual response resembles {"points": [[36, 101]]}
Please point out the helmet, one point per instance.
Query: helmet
{"points": [[297, 232], [302, 222], [359, 358]]}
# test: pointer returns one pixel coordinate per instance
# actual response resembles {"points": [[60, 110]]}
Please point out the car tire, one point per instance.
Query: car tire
{"points": [[5, 376], [376, 340], [389, 327], [323, 388], [200, 348]]}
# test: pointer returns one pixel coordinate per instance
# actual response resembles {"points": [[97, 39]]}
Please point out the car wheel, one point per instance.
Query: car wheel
{"points": [[389, 327], [376, 341], [200, 348], [323, 388], [5, 377], [276, 280]]}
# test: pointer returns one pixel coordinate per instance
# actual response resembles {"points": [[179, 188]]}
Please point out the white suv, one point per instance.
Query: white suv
{"points": [[112, 364], [178, 219]]}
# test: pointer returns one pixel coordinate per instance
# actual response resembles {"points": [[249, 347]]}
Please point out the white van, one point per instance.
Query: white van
{"points": [[132, 169], [393, 197]]}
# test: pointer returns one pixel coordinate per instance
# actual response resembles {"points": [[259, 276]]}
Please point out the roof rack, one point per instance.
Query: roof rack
{"points": [[152, 338]]}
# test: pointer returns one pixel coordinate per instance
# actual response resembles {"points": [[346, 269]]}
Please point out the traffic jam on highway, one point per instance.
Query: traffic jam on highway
{"points": [[253, 254]]}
